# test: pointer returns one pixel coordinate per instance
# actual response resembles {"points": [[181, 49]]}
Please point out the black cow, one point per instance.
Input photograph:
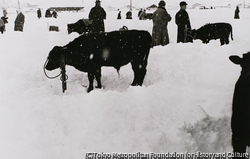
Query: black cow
{"points": [[81, 26], [240, 121], [89, 52], [213, 31]]}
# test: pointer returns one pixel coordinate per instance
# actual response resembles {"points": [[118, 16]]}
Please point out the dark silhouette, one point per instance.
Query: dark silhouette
{"points": [[97, 15], [129, 15], [48, 14], [236, 14], [119, 15], [139, 13], [81, 26], [3, 21], [39, 13], [19, 22], [240, 121], [183, 24], [54, 14], [160, 21], [88, 53], [215, 31]]}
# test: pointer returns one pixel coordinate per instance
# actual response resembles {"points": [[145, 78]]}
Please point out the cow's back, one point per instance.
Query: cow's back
{"points": [[115, 48]]}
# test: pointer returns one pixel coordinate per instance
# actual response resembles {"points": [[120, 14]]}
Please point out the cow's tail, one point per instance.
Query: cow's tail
{"points": [[232, 33]]}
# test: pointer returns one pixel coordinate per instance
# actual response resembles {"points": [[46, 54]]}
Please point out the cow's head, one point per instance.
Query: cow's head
{"points": [[54, 58], [70, 28], [192, 33], [244, 62]]}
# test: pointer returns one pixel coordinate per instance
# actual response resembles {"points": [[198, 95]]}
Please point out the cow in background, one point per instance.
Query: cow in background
{"points": [[240, 121], [81, 26], [215, 31]]}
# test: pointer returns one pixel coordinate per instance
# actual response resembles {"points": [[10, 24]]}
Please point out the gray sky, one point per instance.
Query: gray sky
{"points": [[116, 3]]}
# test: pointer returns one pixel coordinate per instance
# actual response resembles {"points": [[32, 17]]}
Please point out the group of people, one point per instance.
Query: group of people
{"points": [[160, 21], [48, 13], [19, 22]]}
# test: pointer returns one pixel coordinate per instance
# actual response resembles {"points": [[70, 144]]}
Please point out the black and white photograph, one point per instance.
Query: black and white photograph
{"points": [[124, 79]]}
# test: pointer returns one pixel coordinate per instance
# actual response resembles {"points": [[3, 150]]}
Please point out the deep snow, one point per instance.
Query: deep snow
{"points": [[183, 105]]}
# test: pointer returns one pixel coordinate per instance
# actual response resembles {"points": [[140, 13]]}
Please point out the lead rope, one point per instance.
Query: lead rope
{"points": [[46, 73], [64, 77]]}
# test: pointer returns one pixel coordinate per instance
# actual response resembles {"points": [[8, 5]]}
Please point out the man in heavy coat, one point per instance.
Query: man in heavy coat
{"points": [[19, 22], [160, 21], [183, 24], [97, 15]]}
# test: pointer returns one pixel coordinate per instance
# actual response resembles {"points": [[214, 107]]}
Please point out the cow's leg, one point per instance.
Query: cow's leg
{"points": [[139, 73], [91, 80], [222, 41], [98, 78], [227, 40]]}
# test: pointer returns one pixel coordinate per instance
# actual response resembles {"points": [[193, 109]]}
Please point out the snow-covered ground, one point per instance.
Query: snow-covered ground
{"points": [[183, 105]]}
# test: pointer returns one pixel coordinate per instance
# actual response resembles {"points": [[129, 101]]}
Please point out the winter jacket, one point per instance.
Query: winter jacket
{"points": [[182, 22], [97, 15], [160, 32], [19, 22]]}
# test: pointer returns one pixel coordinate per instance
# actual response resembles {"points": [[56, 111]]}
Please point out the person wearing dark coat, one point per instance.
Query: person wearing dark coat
{"points": [[160, 22], [39, 13], [97, 15], [48, 14], [183, 24], [129, 15], [236, 14], [139, 14], [119, 15], [54, 14], [19, 22]]}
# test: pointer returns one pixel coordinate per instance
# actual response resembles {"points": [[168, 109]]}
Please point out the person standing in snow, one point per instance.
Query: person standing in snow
{"points": [[97, 15], [119, 15], [183, 24], [129, 15], [139, 14], [236, 14], [19, 22], [160, 22], [39, 13], [54, 14], [3, 21]]}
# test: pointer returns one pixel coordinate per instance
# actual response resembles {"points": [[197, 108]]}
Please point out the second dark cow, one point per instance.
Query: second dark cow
{"points": [[89, 52], [240, 122], [215, 31], [81, 26]]}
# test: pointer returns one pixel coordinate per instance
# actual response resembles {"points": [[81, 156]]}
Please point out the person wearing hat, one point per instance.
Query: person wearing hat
{"points": [[183, 24], [97, 15], [160, 22]]}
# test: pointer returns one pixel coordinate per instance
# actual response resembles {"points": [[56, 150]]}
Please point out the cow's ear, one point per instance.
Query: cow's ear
{"points": [[236, 59]]}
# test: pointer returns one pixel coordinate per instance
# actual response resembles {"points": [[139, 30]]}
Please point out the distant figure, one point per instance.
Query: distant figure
{"points": [[160, 22], [143, 15], [183, 24], [97, 15], [129, 15], [139, 13], [19, 22], [48, 14], [3, 21], [236, 14], [119, 15], [39, 13], [54, 14]]}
